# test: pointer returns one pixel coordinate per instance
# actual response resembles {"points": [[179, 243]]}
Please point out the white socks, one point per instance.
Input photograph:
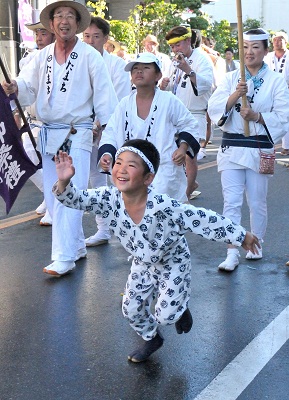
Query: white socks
{"points": [[232, 260], [252, 256]]}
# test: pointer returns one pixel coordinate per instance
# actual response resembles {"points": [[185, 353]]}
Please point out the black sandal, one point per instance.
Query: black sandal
{"points": [[148, 348], [185, 323]]}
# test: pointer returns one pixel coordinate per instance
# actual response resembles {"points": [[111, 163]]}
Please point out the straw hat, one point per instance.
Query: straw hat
{"points": [[78, 5], [116, 44], [35, 27], [150, 38]]}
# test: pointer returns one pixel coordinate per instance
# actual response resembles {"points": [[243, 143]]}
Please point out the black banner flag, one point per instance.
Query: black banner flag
{"points": [[15, 166]]}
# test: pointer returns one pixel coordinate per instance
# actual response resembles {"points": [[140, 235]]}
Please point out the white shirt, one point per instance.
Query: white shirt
{"points": [[182, 86], [280, 65], [166, 119], [83, 84], [271, 99], [120, 78]]}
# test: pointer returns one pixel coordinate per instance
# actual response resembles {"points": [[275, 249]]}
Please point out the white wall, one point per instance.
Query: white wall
{"points": [[275, 15]]}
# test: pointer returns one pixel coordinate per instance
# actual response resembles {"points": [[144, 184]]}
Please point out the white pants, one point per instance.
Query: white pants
{"points": [[97, 179], [285, 141], [36, 178], [67, 232], [237, 181], [202, 124]]}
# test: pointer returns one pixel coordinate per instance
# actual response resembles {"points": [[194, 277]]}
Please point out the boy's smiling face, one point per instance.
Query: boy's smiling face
{"points": [[129, 174]]}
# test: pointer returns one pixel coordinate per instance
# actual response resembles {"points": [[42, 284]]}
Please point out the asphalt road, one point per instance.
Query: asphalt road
{"points": [[66, 338]]}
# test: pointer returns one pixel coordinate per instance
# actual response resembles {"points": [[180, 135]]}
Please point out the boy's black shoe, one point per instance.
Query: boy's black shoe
{"points": [[185, 323], [148, 348]]}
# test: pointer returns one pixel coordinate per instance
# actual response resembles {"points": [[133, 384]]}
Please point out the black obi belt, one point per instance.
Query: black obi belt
{"points": [[239, 140]]}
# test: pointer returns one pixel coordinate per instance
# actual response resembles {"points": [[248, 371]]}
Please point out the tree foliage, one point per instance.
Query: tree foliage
{"points": [[193, 5], [99, 8], [250, 23], [124, 33], [155, 18], [159, 16], [223, 34]]}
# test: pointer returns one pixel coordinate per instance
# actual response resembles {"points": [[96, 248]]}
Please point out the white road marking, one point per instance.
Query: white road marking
{"points": [[237, 375]]}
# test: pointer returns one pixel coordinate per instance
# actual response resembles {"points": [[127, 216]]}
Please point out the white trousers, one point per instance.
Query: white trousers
{"points": [[202, 124], [67, 232], [97, 179], [36, 178], [237, 181], [285, 141]]}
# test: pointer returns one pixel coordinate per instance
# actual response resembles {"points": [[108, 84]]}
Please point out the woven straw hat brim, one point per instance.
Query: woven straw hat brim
{"points": [[34, 27], [78, 6]]}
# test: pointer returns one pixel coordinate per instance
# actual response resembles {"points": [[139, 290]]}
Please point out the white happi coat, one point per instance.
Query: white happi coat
{"points": [[271, 99], [77, 93], [182, 87], [281, 67], [166, 119], [166, 63], [120, 78]]}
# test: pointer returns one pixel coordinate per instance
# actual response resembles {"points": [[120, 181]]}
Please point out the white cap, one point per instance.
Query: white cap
{"points": [[251, 37], [144, 58], [281, 34]]}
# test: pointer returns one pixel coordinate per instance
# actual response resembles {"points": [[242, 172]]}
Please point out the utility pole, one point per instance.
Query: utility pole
{"points": [[9, 36]]}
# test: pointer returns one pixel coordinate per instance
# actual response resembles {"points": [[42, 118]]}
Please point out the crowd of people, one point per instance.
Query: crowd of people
{"points": [[134, 130]]}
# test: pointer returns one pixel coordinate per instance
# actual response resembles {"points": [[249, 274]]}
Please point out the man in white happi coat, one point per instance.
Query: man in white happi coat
{"points": [[97, 34], [278, 61], [68, 80], [191, 82]]}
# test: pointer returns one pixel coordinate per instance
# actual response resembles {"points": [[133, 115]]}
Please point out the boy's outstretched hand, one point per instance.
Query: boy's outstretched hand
{"points": [[251, 242], [64, 169]]}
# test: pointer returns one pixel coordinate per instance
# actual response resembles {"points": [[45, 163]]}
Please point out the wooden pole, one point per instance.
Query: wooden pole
{"points": [[25, 122], [241, 57]]}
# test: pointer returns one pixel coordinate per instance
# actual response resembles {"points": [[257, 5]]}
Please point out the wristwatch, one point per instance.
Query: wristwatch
{"points": [[189, 75]]}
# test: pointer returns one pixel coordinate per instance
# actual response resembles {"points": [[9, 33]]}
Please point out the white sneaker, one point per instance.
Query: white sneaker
{"points": [[231, 262], [46, 220], [41, 208], [59, 268], [252, 256], [82, 253], [98, 238], [202, 153]]}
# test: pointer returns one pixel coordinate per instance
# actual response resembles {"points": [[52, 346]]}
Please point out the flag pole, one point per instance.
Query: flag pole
{"points": [[242, 58], [25, 122]]}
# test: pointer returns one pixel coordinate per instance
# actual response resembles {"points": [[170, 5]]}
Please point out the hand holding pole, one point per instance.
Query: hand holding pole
{"points": [[242, 62]]}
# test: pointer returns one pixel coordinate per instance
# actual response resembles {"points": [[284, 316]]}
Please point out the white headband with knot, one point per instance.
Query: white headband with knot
{"points": [[136, 151], [251, 38]]}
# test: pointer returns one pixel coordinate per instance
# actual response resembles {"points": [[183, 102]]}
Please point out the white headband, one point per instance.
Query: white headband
{"points": [[140, 153], [252, 38]]}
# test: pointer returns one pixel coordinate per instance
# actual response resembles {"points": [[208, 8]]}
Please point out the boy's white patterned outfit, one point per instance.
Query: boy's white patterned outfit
{"points": [[161, 258]]}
